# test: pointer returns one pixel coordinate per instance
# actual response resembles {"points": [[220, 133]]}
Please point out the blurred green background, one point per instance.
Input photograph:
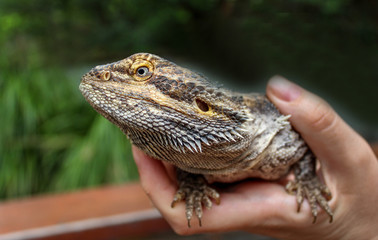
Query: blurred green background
{"points": [[51, 140]]}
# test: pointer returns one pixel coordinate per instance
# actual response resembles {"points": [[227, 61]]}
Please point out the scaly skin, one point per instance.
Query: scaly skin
{"points": [[209, 133]]}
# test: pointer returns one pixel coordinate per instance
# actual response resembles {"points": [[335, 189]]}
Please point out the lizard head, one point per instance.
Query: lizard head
{"points": [[146, 95]]}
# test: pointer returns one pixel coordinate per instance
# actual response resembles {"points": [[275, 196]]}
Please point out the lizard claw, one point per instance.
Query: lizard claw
{"points": [[315, 192], [307, 185], [194, 190]]}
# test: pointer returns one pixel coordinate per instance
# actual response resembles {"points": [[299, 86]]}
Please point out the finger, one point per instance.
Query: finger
{"points": [[154, 179], [171, 171], [329, 137]]}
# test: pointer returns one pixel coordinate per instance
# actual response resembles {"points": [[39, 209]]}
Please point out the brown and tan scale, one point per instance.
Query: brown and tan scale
{"points": [[209, 133]]}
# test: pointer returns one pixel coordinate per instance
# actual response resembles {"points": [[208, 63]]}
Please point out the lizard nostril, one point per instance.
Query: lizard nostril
{"points": [[204, 107], [105, 75]]}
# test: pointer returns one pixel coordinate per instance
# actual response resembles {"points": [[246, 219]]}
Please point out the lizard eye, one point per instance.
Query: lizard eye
{"points": [[142, 71]]}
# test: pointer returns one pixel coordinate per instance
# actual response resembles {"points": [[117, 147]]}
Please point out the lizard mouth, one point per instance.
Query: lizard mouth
{"points": [[94, 94], [161, 106]]}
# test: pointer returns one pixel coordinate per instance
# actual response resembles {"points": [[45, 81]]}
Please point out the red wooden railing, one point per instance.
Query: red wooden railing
{"points": [[102, 213]]}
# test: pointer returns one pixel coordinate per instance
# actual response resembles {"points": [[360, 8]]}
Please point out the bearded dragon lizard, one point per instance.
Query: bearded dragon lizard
{"points": [[209, 133]]}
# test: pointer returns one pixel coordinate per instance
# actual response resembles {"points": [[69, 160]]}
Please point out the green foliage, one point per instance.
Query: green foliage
{"points": [[51, 140], [101, 157], [88, 26]]}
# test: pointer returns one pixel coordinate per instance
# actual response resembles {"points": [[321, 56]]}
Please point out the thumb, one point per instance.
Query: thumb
{"points": [[336, 145]]}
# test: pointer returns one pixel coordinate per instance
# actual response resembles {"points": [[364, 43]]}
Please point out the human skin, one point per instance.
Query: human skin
{"points": [[348, 166]]}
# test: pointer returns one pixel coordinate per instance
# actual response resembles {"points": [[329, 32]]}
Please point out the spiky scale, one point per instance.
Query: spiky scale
{"points": [[236, 133], [204, 140], [188, 146], [220, 134], [193, 145], [229, 136], [198, 143], [211, 137]]}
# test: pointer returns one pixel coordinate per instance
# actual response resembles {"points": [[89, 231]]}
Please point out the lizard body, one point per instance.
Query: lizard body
{"points": [[207, 132]]}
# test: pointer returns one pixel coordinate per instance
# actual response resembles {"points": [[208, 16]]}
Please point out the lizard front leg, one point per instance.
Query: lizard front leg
{"points": [[194, 189], [307, 185]]}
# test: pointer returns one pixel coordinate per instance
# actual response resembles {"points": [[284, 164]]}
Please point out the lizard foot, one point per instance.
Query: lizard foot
{"points": [[194, 190], [315, 192]]}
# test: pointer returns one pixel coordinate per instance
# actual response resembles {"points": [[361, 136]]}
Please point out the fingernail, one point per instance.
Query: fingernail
{"points": [[284, 89]]}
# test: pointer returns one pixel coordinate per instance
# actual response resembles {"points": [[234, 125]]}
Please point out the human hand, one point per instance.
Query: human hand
{"points": [[349, 168]]}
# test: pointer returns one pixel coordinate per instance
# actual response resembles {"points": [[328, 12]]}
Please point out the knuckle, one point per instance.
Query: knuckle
{"points": [[322, 117]]}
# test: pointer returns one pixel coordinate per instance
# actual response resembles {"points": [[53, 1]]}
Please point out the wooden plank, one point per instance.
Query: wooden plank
{"points": [[97, 213]]}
